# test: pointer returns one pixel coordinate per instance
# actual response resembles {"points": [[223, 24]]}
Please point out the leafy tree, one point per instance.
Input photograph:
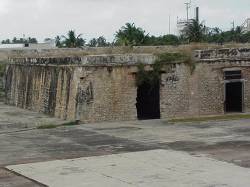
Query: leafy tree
{"points": [[7, 41], [214, 35], [170, 40], [98, 42], [32, 40], [245, 37], [15, 40], [162, 40], [102, 42], [92, 42], [194, 32], [130, 35], [72, 40], [237, 34]]}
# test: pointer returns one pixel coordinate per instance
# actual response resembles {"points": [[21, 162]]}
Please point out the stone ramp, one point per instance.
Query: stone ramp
{"points": [[147, 169]]}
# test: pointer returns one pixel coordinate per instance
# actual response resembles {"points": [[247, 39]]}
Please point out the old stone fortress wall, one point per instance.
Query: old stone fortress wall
{"points": [[100, 85]]}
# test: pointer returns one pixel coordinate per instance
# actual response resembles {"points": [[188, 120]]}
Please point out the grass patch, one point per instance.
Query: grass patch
{"points": [[52, 126], [49, 126], [173, 57], [211, 118], [71, 123]]}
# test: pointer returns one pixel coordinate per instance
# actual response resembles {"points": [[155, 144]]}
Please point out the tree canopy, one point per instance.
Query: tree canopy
{"points": [[72, 40], [98, 42], [16, 40], [194, 32], [130, 35]]}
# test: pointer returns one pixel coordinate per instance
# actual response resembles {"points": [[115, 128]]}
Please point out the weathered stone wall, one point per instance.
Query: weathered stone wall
{"points": [[105, 93], [185, 94], [84, 93], [102, 87]]}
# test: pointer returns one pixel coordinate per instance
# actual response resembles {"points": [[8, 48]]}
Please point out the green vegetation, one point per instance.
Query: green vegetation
{"points": [[173, 57], [98, 42], [183, 57], [169, 39], [16, 40], [72, 40], [149, 77], [52, 126], [212, 118], [153, 76], [48, 126], [130, 35], [71, 123], [194, 32]]}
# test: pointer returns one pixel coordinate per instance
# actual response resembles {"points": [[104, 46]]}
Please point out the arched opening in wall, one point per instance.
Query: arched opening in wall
{"points": [[148, 100]]}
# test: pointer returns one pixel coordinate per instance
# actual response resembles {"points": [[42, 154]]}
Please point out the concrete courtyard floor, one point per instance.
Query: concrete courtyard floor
{"points": [[222, 148]]}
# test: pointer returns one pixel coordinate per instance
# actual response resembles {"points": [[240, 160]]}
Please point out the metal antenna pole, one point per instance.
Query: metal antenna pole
{"points": [[188, 6], [233, 25], [169, 24]]}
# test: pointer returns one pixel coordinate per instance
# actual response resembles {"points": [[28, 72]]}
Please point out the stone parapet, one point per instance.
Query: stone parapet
{"points": [[231, 54], [93, 60]]}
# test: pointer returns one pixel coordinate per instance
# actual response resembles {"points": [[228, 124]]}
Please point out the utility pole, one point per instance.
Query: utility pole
{"points": [[169, 24], [233, 24], [188, 6]]}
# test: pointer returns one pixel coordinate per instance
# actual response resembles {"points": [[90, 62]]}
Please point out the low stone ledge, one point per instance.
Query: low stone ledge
{"points": [[95, 60]]}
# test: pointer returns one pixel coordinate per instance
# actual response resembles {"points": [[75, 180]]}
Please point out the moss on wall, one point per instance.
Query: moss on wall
{"points": [[184, 57], [162, 59]]}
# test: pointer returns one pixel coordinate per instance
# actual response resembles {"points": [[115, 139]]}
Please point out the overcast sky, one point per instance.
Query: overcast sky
{"points": [[92, 18]]}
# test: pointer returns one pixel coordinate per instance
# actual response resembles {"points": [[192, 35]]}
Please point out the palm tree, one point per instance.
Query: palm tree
{"points": [[98, 42], [92, 42], [101, 41], [130, 35], [194, 32], [72, 40], [237, 34]]}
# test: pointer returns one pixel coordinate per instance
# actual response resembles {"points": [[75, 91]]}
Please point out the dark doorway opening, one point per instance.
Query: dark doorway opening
{"points": [[148, 100], [234, 96]]}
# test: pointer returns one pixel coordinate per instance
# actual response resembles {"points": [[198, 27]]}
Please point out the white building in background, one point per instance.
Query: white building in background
{"points": [[183, 23], [46, 45], [246, 26]]}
